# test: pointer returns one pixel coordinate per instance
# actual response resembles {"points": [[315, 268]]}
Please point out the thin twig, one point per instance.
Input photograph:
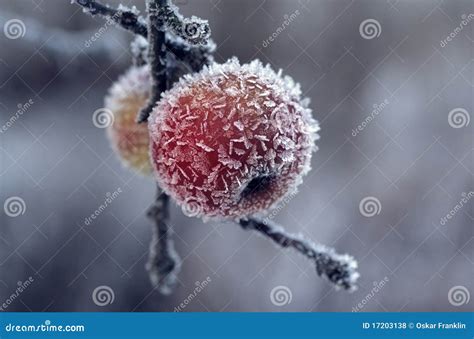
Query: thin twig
{"points": [[192, 56], [125, 17], [163, 263], [156, 56], [338, 269], [194, 30]]}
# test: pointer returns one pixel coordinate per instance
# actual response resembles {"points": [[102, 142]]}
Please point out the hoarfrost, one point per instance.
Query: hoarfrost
{"points": [[274, 136]]}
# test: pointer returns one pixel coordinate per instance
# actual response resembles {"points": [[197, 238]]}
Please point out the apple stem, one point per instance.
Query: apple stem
{"points": [[338, 269], [163, 262]]}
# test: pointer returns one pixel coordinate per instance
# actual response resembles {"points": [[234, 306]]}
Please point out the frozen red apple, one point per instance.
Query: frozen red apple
{"points": [[232, 140]]}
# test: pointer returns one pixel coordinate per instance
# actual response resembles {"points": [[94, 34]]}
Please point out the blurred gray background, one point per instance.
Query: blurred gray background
{"points": [[411, 157]]}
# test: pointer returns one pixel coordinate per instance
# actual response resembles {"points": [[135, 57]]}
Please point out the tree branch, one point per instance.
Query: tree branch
{"points": [[157, 56], [338, 269], [125, 17], [192, 56], [163, 263], [193, 30]]}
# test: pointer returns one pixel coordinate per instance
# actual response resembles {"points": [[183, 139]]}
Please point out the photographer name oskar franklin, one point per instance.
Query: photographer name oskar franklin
{"points": [[446, 326]]}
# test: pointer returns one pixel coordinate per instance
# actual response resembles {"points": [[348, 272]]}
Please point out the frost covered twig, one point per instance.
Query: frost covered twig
{"points": [[193, 30], [163, 263], [193, 56], [338, 269], [125, 17], [162, 15], [156, 56]]}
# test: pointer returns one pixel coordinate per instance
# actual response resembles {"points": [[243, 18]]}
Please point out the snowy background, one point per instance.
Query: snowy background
{"points": [[411, 158]]}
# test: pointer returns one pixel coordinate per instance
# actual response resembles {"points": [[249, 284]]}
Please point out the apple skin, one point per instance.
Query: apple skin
{"points": [[232, 140], [130, 140]]}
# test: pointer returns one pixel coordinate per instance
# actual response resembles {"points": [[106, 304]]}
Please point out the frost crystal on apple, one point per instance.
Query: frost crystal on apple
{"points": [[235, 138]]}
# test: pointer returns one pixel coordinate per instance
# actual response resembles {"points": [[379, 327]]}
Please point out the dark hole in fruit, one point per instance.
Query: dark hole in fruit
{"points": [[257, 185]]}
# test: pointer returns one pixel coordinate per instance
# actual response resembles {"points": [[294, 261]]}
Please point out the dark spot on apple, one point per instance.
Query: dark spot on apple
{"points": [[257, 185]]}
